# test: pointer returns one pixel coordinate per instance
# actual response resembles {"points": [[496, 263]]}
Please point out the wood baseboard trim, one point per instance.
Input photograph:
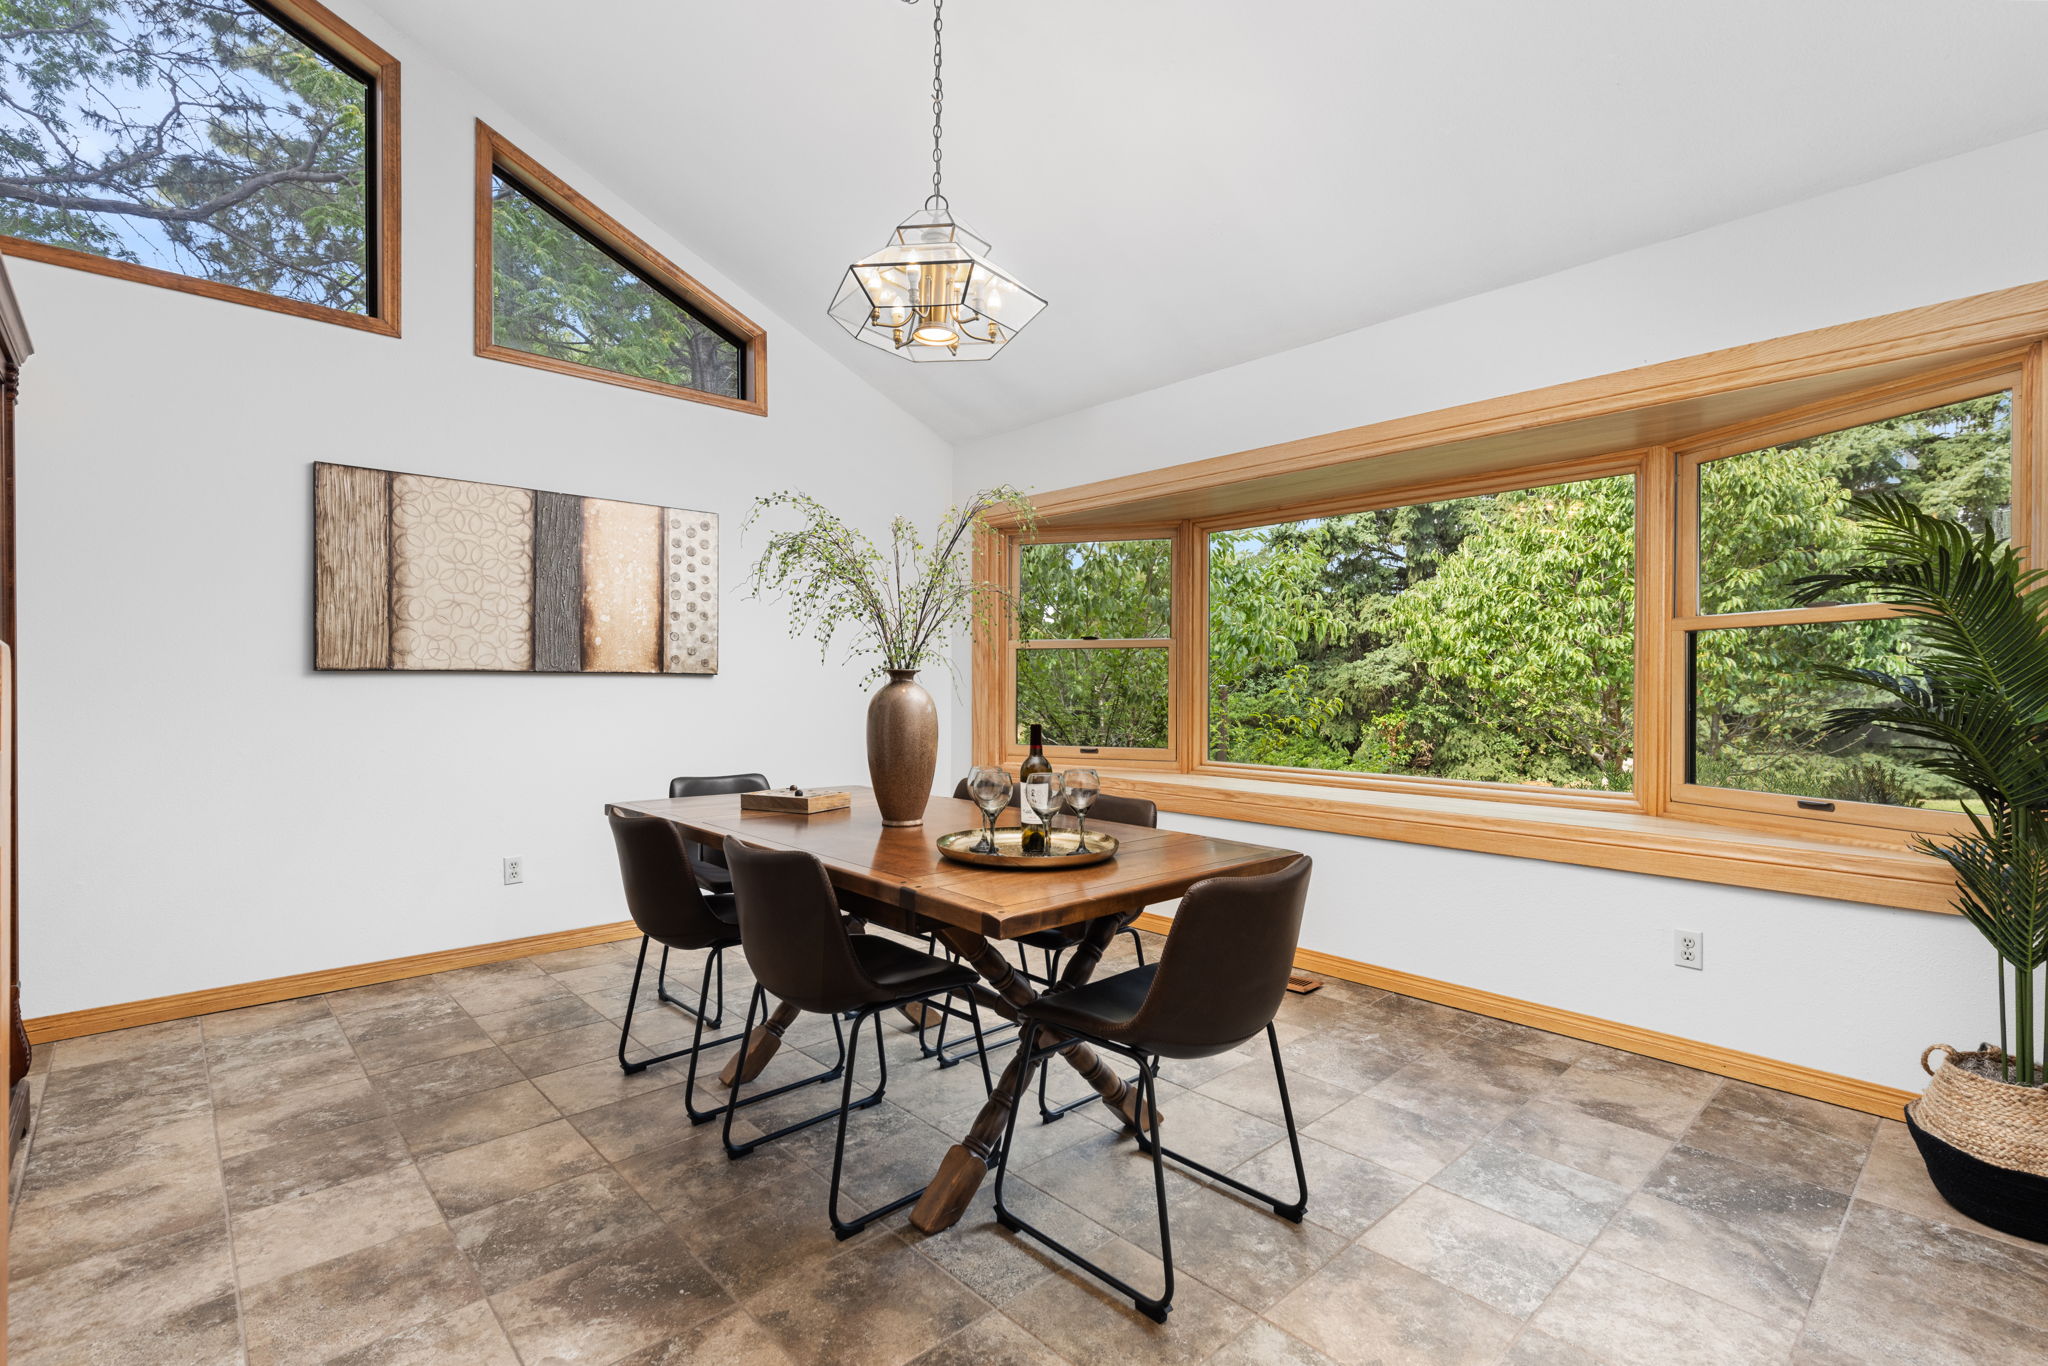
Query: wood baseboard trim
{"points": [[99, 1019], [1869, 1097]]}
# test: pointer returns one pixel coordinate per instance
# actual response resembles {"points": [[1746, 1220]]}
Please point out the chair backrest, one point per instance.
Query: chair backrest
{"points": [[1122, 810], [790, 927], [1224, 969], [706, 856], [661, 883]]}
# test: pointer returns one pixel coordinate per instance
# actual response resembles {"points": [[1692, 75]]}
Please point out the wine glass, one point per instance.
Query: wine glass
{"points": [[1081, 785], [990, 787]]}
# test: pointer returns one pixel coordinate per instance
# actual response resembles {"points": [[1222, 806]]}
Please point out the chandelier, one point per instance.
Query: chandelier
{"points": [[931, 293]]}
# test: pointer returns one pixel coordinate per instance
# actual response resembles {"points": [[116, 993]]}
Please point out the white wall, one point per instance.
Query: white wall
{"points": [[1852, 989], [199, 806]]}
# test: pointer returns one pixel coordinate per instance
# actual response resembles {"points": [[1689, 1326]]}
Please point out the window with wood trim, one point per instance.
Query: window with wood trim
{"points": [[1510, 627], [237, 149], [1486, 638], [562, 286], [1093, 653], [1756, 516]]}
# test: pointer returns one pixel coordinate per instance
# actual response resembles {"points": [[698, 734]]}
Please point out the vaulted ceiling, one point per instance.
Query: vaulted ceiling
{"points": [[1194, 183]]}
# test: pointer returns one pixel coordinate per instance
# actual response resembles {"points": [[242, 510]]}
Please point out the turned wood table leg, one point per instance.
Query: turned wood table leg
{"points": [[746, 1064], [960, 1175]]}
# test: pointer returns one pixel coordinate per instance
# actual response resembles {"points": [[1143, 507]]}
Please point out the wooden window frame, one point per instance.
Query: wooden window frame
{"points": [[1783, 810], [496, 156], [343, 44], [1013, 643], [1702, 408]]}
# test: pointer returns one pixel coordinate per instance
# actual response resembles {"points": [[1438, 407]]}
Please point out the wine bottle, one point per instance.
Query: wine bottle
{"points": [[1034, 821]]}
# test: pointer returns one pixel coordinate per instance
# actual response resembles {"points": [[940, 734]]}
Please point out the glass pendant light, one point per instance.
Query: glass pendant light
{"points": [[931, 293]]}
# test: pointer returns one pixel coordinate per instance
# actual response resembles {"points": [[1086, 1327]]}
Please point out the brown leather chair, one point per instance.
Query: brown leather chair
{"points": [[708, 864], [1217, 984], [671, 908], [801, 953]]}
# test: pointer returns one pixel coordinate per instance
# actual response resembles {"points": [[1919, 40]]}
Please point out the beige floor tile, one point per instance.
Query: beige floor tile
{"points": [[586, 1086], [296, 1114], [1653, 1104], [1790, 1135], [1363, 1308], [1264, 1345], [171, 1041], [301, 1166], [550, 1015], [1345, 1193], [545, 1230], [90, 1198], [1631, 1318], [1497, 1260], [1773, 1277], [168, 1300], [1241, 1248], [1250, 1087], [991, 1340], [291, 1235], [750, 1244], [730, 1339], [622, 1299], [349, 1302], [409, 1088], [1903, 1289], [487, 1173], [993, 1262], [545, 1053], [1562, 1200], [1569, 1135], [879, 1305], [466, 1121], [469, 1336], [1412, 1143]]}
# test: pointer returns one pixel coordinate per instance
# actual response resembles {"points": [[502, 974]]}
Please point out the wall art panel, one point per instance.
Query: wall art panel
{"points": [[414, 572], [621, 587]]}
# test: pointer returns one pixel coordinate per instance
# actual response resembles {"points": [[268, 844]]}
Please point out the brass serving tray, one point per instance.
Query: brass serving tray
{"points": [[1066, 850]]}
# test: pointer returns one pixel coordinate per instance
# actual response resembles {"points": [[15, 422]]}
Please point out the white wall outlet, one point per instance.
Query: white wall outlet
{"points": [[1689, 949], [515, 871]]}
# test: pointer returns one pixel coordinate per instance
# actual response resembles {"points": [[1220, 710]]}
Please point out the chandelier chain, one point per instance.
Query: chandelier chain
{"points": [[938, 96]]}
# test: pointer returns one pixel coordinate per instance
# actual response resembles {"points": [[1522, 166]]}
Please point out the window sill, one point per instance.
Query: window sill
{"points": [[1629, 841]]}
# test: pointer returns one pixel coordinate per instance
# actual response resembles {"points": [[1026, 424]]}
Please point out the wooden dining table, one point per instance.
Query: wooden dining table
{"points": [[895, 876]]}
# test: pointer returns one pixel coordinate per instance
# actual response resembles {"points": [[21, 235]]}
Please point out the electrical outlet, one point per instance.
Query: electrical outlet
{"points": [[1689, 949], [515, 871]]}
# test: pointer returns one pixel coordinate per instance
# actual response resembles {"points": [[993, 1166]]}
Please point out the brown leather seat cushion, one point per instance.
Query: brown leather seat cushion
{"points": [[1101, 1007], [903, 971]]}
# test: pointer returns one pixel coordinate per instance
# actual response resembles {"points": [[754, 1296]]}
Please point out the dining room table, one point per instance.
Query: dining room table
{"points": [[895, 877]]}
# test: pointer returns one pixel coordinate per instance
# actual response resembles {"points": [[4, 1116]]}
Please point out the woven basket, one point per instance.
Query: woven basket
{"points": [[1994, 1121]]}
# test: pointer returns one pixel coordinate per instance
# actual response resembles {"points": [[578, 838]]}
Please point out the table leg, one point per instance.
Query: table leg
{"points": [[746, 1064], [967, 1162]]}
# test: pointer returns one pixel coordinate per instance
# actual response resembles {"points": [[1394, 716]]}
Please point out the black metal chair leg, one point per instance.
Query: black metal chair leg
{"points": [[1137, 942], [1153, 1308], [843, 1067], [1292, 1211], [846, 1228], [697, 1041], [706, 1116]]}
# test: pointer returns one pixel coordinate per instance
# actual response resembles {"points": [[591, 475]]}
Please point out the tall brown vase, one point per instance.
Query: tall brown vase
{"points": [[903, 747]]}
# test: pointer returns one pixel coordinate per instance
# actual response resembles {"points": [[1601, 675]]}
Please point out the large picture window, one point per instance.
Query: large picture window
{"points": [[1489, 638], [241, 150], [562, 286]]}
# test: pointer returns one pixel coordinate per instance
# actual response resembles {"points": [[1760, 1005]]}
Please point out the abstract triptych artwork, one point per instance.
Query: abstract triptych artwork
{"points": [[415, 572]]}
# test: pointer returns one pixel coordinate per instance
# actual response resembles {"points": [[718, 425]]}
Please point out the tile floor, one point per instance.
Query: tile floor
{"points": [[452, 1169]]}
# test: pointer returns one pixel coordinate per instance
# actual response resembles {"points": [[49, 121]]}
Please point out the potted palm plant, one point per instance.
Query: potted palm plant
{"points": [[1977, 714], [901, 605]]}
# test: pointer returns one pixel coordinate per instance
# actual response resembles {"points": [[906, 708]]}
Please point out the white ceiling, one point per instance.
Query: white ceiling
{"points": [[1194, 183]]}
